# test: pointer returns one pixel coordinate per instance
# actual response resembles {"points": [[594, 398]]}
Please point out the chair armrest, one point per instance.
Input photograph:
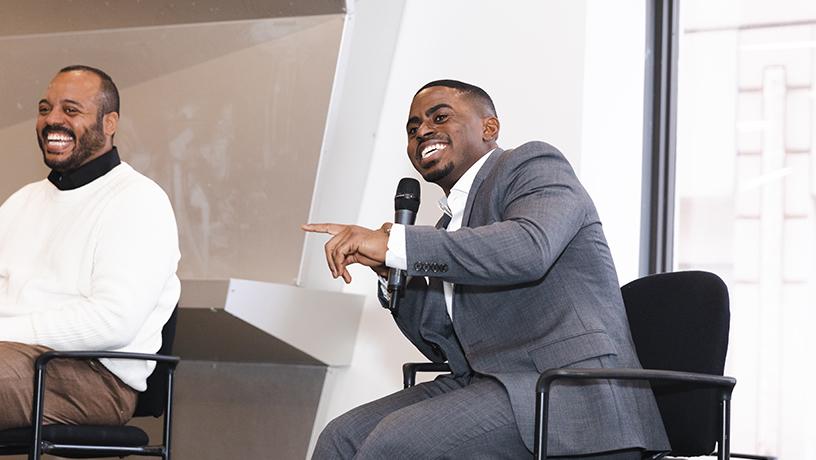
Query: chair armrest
{"points": [[734, 455], [723, 383], [753, 456], [706, 380], [46, 357], [409, 371]]}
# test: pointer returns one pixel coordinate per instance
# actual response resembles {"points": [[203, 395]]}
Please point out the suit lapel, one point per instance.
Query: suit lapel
{"points": [[477, 182]]}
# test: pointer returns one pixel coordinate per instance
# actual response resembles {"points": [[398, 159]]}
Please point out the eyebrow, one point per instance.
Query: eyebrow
{"points": [[69, 101], [428, 113], [435, 108]]}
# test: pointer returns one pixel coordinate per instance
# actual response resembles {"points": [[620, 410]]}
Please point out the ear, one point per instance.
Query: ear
{"points": [[490, 129], [110, 122]]}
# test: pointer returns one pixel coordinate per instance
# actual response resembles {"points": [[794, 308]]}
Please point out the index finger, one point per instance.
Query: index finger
{"points": [[331, 229]]}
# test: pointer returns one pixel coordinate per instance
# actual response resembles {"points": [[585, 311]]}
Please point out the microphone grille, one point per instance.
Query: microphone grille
{"points": [[407, 196]]}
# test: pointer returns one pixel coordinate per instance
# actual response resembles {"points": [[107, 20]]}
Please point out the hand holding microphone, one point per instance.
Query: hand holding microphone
{"points": [[352, 244]]}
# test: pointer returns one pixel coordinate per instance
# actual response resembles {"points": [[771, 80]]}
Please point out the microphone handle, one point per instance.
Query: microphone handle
{"points": [[396, 278], [404, 217], [396, 283]]}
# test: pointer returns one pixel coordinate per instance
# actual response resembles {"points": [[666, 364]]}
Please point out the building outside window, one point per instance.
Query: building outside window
{"points": [[746, 203]]}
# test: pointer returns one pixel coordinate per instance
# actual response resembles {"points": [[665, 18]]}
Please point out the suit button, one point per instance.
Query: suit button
{"points": [[434, 267], [425, 266], [418, 267], [444, 267]]}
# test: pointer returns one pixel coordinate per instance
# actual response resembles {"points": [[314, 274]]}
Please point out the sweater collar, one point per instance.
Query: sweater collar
{"points": [[86, 173]]}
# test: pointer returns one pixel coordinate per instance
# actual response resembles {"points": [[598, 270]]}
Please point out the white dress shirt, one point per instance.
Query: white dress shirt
{"points": [[454, 206]]}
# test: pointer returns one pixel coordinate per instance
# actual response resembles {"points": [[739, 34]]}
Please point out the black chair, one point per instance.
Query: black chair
{"points": [[94, 441], [679, 323]]}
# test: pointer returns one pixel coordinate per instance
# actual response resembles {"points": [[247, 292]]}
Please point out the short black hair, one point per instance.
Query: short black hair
{"points": [[472, 91], [108, 93]]}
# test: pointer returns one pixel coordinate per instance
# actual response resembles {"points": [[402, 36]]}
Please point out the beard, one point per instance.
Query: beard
{"points": [[437, 174], [91, 141]]}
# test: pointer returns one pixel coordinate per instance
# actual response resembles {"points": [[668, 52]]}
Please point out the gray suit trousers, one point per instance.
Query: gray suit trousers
{"points": [[444, 419], [448, 418]]}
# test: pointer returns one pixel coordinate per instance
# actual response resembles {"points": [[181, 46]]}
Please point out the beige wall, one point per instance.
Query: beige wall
{"points": [[228, 117]]}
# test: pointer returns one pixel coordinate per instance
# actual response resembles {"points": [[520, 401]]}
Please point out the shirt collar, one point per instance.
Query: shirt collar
{"points": [[87, 173], [462, 186]]}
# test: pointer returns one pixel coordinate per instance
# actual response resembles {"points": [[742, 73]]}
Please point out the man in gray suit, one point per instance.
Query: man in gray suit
{"points": [[516, 279]]}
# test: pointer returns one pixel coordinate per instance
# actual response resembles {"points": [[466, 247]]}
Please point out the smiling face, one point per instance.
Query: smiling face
{"points": [[448, 131], [71, 130]]}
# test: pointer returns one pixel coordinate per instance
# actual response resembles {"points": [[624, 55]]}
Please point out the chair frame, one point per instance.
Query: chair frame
{"points": [[721, 385], [409, 371], [40, 446], [724, 385]]}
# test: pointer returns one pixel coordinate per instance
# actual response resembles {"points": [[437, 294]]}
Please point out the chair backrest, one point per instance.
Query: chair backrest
{"points": [[679, 321], [152, 401]]}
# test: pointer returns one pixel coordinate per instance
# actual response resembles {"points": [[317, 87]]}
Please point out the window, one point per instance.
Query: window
{"points": [[746, 202]]}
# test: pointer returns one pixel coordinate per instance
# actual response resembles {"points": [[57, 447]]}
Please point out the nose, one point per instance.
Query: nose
{"points": [[424, 131], [54, 117]]}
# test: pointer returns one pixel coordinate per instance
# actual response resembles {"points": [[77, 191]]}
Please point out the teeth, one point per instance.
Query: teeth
{"points": [[429, 150], [54, 137]]}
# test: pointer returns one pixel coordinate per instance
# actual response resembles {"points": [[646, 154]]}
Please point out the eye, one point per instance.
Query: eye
{"points": [[71, 111], [43, 109], [412, 130], [440, 117]]}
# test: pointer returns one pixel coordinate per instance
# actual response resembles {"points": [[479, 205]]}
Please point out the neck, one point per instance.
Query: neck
{"points": [[448, 183], [105, 149]]}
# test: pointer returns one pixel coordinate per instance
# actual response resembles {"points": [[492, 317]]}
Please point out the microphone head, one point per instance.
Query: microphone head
{"points": [[407, 196]]}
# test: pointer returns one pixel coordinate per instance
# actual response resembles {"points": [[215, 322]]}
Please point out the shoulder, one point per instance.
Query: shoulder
{"points": [[531, 150], [22, 195], [537, 148], [134, 194], [534, 168], [134, 185], [536, 157], [134, 211]]}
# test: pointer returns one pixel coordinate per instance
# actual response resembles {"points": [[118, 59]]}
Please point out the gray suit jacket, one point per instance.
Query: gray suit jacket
{"points": [[536, 289]]}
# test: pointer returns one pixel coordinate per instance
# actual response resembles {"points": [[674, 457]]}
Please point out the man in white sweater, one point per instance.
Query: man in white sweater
{"points": [[88, 261]]}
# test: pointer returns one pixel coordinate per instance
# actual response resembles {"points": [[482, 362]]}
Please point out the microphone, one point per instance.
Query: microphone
{"points": [[406, 205]]}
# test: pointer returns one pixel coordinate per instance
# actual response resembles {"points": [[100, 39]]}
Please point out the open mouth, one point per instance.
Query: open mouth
{"points": [[431, 151], [57, 142]]}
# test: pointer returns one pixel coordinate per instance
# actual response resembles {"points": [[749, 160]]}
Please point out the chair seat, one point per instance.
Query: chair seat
{"points": [[100, 435]]}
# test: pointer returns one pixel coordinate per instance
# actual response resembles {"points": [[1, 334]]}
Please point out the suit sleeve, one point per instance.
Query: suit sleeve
{"points": [[541, 206]]}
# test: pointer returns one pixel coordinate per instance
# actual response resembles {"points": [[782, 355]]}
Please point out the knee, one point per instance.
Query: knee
{"points": [[336, 441], [353, 436], [17, 367], [394, 439]]}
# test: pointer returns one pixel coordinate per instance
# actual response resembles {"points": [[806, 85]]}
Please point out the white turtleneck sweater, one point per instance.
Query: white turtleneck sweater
{"points": [[92, 268]]}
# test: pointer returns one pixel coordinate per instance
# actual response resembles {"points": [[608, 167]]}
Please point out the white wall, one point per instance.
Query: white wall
{"points": [[533, 58], [612, 127]]}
